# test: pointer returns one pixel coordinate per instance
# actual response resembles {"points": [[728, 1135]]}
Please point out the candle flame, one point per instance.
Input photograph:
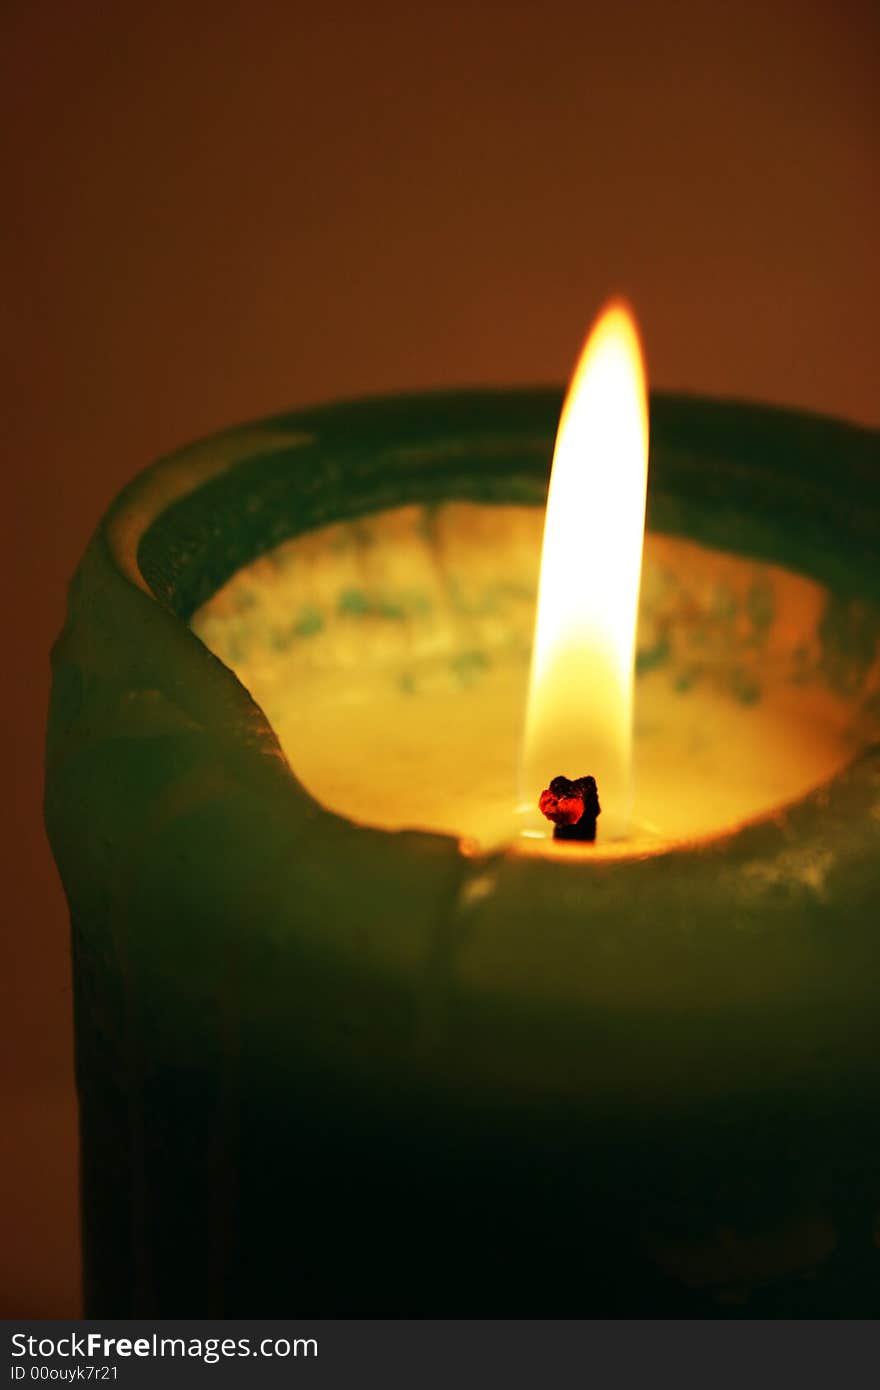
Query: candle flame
{"points": [[579, 713]]}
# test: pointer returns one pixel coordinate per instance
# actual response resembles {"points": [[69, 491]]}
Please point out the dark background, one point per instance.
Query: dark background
{"points": [[213, 211]]}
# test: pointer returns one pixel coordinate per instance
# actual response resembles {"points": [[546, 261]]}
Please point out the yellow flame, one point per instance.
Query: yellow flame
{"points": [[579, 714]]}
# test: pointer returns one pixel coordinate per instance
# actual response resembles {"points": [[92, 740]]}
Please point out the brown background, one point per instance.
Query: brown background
{"points": [[218, 210]]}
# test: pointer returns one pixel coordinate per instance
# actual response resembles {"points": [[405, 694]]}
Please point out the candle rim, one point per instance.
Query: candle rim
{"points": [[686, 424]]}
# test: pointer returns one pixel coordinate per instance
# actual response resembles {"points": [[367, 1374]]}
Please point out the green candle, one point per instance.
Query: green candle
{"points": [[343, 1053]]}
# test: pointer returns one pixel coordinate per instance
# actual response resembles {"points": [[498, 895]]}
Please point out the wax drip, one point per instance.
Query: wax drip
{"points": [[572, 806]]}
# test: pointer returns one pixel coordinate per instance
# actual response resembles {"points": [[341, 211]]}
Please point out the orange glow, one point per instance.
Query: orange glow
{"points": [[579, 713]]}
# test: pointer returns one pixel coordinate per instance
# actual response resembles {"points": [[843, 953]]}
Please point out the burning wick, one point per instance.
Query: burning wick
{"points": [[572, 806]]}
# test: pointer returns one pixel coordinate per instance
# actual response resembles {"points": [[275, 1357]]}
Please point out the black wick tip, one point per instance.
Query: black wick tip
{"points": [[573, 806]]}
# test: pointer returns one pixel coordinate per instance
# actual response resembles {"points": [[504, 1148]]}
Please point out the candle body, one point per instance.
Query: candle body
{"points": [[332, 1069]]}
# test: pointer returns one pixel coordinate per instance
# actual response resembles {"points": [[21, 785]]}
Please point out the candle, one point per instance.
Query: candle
{"points": [[344, 1045]]}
